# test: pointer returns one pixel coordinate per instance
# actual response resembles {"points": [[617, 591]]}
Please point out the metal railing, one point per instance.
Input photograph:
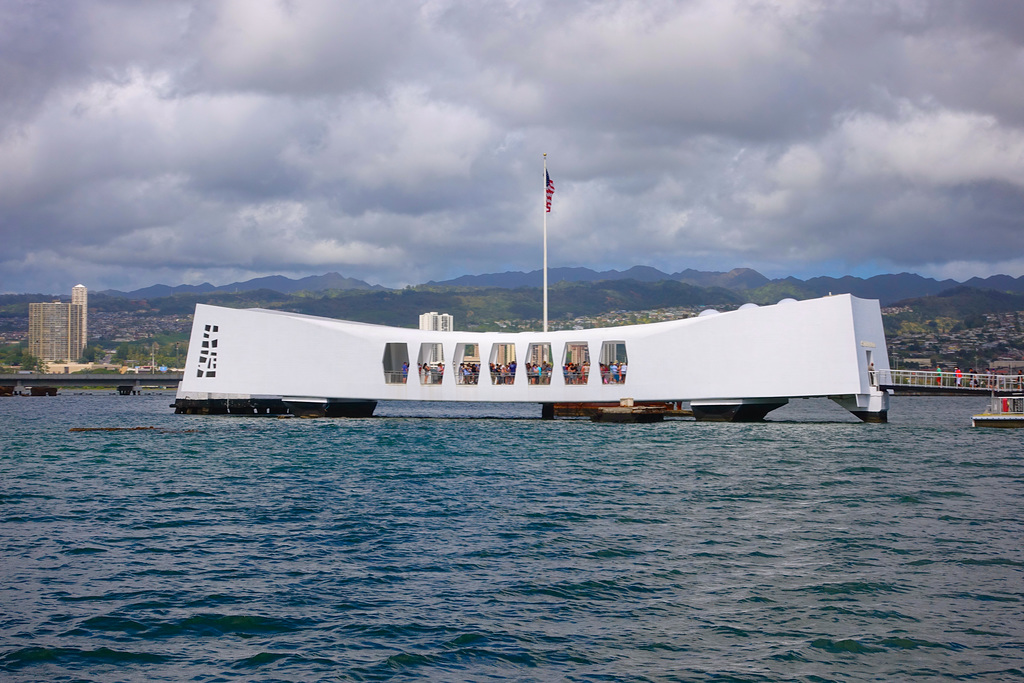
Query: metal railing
{"points": [[1006, 405], [933, 380], [575, 376], [467, 378], [538, 376], [502, 378], [431, 374]]}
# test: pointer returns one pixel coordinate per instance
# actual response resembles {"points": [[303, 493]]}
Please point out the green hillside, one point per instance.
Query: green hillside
{"points": [[473, 307]]}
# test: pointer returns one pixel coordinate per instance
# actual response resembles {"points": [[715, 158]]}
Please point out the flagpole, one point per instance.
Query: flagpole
{"points": [[545, 243]]}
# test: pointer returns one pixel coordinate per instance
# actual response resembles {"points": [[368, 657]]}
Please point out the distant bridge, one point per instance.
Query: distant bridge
{"points": [[127, 383], [925, 382]]}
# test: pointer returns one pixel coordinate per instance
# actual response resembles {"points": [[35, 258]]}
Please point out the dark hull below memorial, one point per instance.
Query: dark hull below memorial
{"points": [[273, 406]]}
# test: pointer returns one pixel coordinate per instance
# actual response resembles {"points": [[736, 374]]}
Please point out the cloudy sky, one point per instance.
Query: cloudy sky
{"points": [[398, 142]]}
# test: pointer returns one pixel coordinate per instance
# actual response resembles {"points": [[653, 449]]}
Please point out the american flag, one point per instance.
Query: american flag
{"points": [[550, 189]]}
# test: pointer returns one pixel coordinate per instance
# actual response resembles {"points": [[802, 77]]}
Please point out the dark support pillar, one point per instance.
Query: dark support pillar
{"points": [[872, 408], [734, 411], [879, 417], [547, 411]]}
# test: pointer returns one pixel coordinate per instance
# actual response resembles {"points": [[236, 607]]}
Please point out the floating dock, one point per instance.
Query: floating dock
{"points": [[1003, 411], [668, 409], [628, 412]]}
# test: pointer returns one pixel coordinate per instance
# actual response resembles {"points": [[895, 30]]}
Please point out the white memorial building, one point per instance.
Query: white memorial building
{"points": [[737, 365]]}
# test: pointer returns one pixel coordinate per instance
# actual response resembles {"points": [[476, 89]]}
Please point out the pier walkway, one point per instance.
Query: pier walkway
{"points": [[12, 384], [930, 382]]}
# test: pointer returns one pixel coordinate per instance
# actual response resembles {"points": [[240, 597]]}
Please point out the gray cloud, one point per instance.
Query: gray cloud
{"points": [[399, 142]]}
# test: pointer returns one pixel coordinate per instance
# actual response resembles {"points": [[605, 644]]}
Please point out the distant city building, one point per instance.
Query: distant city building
{"points": [[80, 296], [437, 322], [433, 354], [57, 331]]}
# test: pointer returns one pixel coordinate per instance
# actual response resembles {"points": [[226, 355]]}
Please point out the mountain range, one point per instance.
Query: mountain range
{"points": [[886, 288], [276, 283]]}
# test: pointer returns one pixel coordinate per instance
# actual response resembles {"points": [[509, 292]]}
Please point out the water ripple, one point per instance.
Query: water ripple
{"points": [[419, 547]]}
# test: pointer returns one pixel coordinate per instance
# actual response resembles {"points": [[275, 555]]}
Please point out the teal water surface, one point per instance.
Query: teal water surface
{"points": [[420, 546]]}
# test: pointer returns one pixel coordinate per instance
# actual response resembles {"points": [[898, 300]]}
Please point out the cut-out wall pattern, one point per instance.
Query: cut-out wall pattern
{"points": [[208, 352]]}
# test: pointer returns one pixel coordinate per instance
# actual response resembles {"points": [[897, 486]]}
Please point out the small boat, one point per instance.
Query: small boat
{"points": [[1003, 411]]}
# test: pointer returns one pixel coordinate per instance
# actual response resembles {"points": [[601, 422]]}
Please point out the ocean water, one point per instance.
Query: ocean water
{"points": [[479, 543]]}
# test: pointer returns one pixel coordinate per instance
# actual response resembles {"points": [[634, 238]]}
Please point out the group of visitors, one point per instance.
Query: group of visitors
{"points": [[503, 374], [469, 373], [613, 373], [576, 373], [986, 379], [431, 373], [539, 373]]}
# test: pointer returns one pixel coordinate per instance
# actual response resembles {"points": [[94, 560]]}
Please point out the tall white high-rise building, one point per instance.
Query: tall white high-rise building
{"points": [[432, 354], [80, 296], [437, 322]]}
